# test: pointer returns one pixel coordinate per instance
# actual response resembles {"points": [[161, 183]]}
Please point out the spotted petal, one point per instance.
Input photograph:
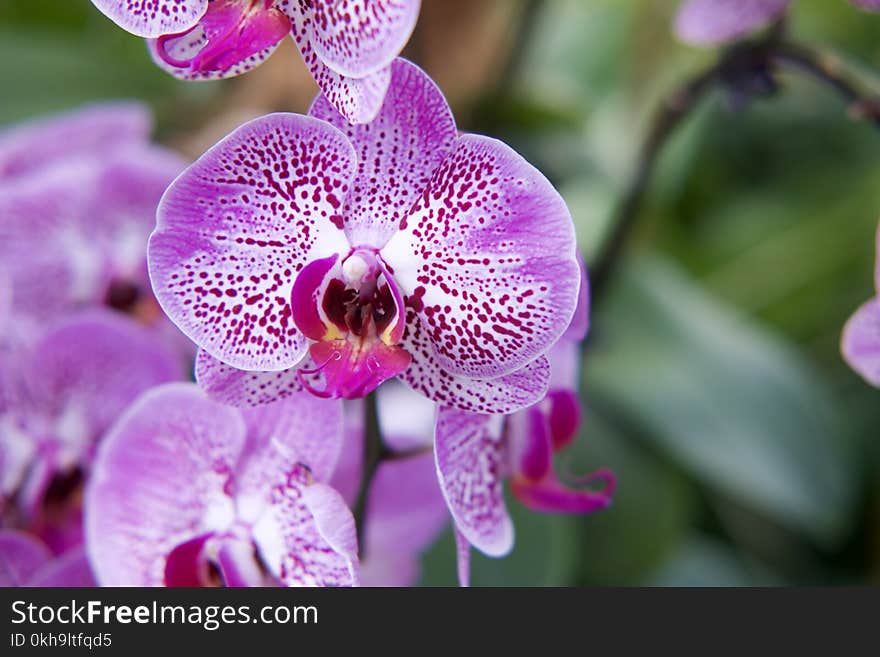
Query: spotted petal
{"points": [[504, 394], [236, 227], [398, 152], [151, 18], [711, 22], [487, 259], [470, 461], [158, 481], [307, 536], [357, 37], [94, 130], [245, 389], [357, 99]]}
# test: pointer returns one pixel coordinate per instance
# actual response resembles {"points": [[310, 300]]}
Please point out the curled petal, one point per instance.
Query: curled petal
{"points": [[549, 495], [487, 259], [861, 342], [398, 152], [158, 482], [469, 456], [151, 18], [712, 22], [236, 227], [230, 39]]}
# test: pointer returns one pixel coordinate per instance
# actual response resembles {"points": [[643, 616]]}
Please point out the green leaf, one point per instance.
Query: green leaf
{"points": [[735, 405]]}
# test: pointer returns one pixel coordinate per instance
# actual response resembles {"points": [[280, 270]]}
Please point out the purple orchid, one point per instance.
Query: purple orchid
{"points": [[301, 252], [475, 453], [348, 45], [713, 22], [26, 561], [189, 492], [78, 194], [861, 336], [59, 396]]}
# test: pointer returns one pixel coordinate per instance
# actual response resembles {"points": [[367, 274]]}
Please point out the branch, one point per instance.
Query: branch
{"points": [[744, 70]]}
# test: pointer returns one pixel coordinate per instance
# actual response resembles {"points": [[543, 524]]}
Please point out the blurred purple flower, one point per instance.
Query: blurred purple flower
{"points": [[475, 453], [188, 492], [348, 45], [58, 398], [26, 561], [713, 22], [78, 195], [861, 336], [318, 255]]}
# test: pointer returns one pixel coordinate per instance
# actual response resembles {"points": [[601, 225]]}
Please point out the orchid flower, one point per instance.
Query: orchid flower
{"points": [[861, 336], [78, 194], [59, 398], [475, 453], [713, 22], [189, 492], [348, 45], [26, 561], [303, 253]]}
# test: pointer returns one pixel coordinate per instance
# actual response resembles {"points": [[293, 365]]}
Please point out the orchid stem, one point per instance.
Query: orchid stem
{"points": [[771, 52], [374, 452]]}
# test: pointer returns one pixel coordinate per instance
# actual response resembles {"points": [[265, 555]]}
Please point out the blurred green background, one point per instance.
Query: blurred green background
{"points": [[747, 452]]}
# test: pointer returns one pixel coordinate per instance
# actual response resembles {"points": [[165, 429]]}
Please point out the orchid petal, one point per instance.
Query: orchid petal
{"points": [[487, 258], [357, 99], [302, 429], [21, 556], [406, 418], [401, 526], [861, 341], [236, 227], [71, 569], [245, 389], [398, 152], [93, 131], [470, 457], [151, 18], [86, 371], [504, 394], [357, 37], [306, 537], [159, 481], [463, 559]]}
